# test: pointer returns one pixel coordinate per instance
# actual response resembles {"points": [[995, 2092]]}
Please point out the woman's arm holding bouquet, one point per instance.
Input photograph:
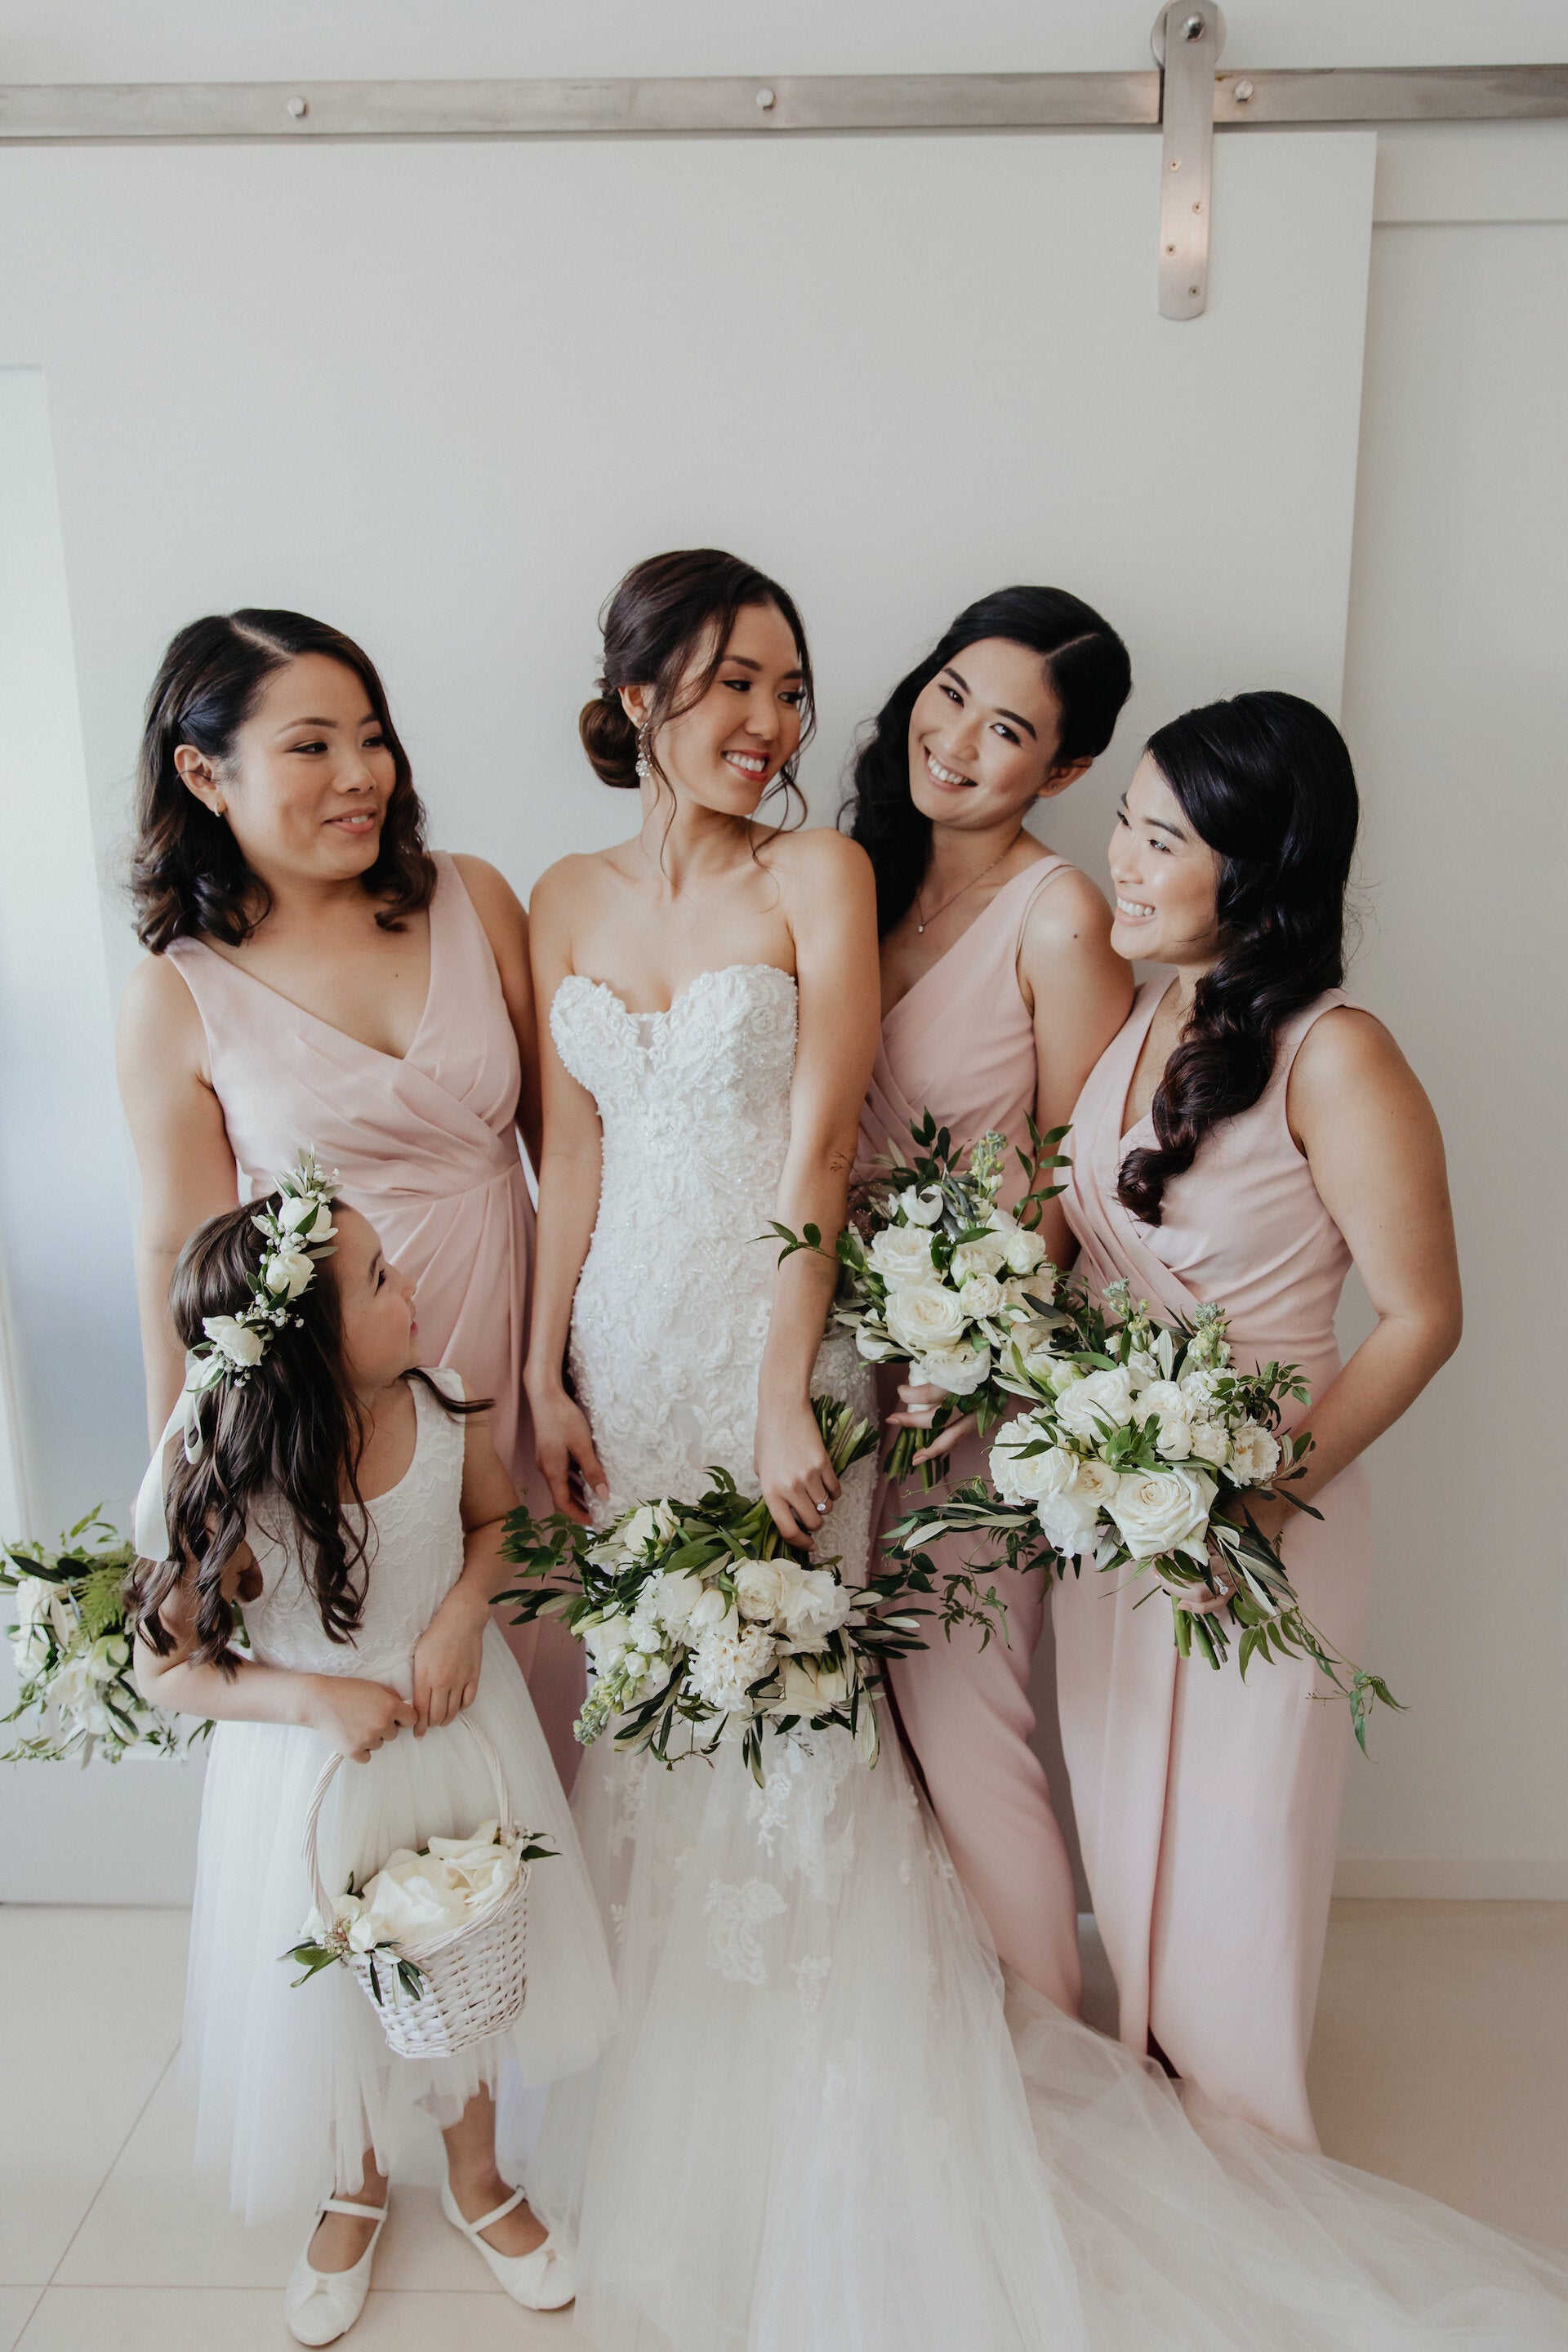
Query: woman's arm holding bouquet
{"points": [[830, 902]]}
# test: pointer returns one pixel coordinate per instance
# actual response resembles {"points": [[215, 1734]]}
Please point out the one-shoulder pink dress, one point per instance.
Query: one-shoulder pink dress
{"points": [[961, 1043], [427, 1148], [1208, 1808]]}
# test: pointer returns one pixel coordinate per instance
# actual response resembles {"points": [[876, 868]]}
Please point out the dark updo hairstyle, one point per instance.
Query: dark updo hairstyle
{"points": [[1088, 670], [286, 1439], [668, 612], [188, 875], [1267, 782]]}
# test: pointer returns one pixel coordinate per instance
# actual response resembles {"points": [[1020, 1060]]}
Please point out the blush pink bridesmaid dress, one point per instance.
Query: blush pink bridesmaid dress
{"points": [[427, 1149], [1208, 1808], [962, 1043]]}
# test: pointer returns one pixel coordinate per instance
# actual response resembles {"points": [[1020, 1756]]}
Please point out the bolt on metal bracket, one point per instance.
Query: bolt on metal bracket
{"points": [[1187, 39]]}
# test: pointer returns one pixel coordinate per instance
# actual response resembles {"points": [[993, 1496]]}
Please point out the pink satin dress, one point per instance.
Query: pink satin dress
{"points": [[961, 1043], [1208, 1808], [427, 1148]]}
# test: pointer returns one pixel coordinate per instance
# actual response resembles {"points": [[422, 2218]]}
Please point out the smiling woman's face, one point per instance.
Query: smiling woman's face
{"points": [[726, 749], [982, 737], [1166, 876], [306, 788]]}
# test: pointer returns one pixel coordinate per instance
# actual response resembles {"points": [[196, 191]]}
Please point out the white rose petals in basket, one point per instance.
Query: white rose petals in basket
{"points": [[437, 1940]]}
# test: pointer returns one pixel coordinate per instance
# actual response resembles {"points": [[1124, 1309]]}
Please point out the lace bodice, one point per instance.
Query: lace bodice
{"points": [[415, 1555]]}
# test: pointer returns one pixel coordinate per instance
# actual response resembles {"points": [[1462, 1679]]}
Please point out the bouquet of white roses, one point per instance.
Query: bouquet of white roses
{"points": [[414, 1899], [72, 1649], [1140, 1447], [703, 1625], [932, 1270]]}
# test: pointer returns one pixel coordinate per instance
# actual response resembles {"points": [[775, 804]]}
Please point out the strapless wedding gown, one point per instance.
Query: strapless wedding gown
{"points": [[826, 2124]]}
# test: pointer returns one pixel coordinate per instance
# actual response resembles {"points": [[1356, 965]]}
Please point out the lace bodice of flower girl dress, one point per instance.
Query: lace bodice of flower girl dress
{"points": [[414, 1556]]}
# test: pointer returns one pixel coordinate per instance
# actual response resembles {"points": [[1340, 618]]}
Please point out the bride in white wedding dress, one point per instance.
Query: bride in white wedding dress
{"points": [[826, 2125]]}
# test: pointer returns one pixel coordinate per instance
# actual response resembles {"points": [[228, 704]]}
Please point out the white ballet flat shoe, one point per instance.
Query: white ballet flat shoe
{"points": [[321, 2306], [545, 2280]]}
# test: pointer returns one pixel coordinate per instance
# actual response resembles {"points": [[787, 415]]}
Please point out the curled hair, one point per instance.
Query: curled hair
{"points": [[1267, 782], [287, 1441], [670, 613], [188, 873], [1088, 670]]}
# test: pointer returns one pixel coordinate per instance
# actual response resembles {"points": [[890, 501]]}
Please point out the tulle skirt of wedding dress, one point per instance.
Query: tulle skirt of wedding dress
{"points": [[821, 2127]]}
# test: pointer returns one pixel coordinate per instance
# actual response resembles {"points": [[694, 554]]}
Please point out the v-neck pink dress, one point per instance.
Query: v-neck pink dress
{"points": [[1208, 1808], [961, 1043], [428, 1151]]}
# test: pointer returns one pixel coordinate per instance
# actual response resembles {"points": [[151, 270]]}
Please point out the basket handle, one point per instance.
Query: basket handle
{"points": [[329, 1771]]}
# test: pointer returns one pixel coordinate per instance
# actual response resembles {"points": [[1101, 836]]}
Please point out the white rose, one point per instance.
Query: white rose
{"points": [[674, 1598], [1099, 1398], [759, 1589], [709, 1611], [1255, 1455], [650, 1522], [234, 1339], [1068, 1522], [1064, 1376], [1020, 1477], [295, 1216], [1174, 1439], [871, 1344], [287, 1272], [811, 1686], [1160, 1398], [925, 1318], [812, 1605], [958, 1370], [1161, 1511], [986, 1256], [922, 1208], [1211, 1443], [980, 1296], [902, 1253], [110, 1656], [1024, 1251]]}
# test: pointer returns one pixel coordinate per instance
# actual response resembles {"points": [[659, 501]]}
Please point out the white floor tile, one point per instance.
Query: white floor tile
{"points": [[242, 2319], [80, 2056], [18, 2305]]}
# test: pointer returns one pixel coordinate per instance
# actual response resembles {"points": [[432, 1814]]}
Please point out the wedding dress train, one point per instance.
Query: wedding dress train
{"points": [[826, 2125]]}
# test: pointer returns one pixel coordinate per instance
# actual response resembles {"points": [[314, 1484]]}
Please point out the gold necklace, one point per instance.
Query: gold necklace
{"points": [[919, 910]]}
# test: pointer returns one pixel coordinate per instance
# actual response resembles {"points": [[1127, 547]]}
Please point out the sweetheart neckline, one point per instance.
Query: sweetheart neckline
{"points": [[663, 1011]]}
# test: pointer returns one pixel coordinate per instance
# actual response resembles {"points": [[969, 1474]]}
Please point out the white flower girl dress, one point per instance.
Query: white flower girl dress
{"points": [[285, 2076], [824, 2124]]}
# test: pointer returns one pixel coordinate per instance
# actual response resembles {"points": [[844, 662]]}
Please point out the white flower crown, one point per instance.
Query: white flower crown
{"points": [[299, 1232]]}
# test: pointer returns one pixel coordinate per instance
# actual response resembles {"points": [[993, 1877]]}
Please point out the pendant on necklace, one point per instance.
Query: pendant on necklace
{"points": [[920, 930]]}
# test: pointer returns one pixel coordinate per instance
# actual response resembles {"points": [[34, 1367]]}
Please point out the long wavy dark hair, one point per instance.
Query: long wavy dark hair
{"points": [[667, 612], [188, 873], [1087, 668], [287, 1439], [1267, 780]]}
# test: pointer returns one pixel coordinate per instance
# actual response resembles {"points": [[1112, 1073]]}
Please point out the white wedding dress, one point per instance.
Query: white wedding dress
{"points": [[826, 2125]]}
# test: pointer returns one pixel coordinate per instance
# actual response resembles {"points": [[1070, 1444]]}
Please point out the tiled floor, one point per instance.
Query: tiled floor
{"points": [[1441, 2060]]}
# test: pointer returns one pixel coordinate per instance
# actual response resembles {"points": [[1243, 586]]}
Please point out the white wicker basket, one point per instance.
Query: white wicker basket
{"points": [[475, 1980]]}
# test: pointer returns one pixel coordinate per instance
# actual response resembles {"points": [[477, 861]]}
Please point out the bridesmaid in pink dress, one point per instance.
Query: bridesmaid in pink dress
{"points": [[999, 990], [1248, 1134], [317, 976]]}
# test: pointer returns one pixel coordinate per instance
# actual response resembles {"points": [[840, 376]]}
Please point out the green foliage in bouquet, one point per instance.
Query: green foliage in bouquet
{"points": [[1139, 1449], [73, 1650], [703, 1622], [933, 1271]]}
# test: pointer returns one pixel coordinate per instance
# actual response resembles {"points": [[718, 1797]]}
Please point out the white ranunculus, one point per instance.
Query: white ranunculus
{"points": [[872, 1345], [650, 1522], [1211, 1443], [1161, 1511], [759, 1590], [1024, 1251], [924, 1317], [287, 1272], [957, 1371], [812, 1605], [812, 1685], [987, 1255], [902, 1253], [1254, 1453], [922, 1208], [673, 1600], [1099, 1398], [234, 1339], [709, 1611], [1020, 1477], [980, 1296]]}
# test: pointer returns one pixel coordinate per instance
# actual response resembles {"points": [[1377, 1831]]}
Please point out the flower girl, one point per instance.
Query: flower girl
{"points": [[350, 1505]]}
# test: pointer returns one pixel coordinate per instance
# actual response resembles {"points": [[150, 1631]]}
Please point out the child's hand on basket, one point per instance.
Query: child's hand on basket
{"points": [[447, 1658], [356, 1716]]}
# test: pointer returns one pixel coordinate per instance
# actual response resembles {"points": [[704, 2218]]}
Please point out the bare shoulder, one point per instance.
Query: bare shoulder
{"points": [[570, 882], [816, 859], [1348, 1047], [157, 1013], [488, 886], [1349, 1077], [1069, 908]]}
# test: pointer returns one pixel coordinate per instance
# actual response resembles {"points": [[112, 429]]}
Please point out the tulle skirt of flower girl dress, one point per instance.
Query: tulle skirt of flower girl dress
{"points": [[822, 2128], [284, 2075]]}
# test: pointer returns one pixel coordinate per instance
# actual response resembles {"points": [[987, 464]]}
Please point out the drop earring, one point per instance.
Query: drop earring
{"points": [[645, 767]]}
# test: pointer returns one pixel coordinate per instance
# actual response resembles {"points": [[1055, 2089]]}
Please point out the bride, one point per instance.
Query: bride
{"points": [[826, 2124]]}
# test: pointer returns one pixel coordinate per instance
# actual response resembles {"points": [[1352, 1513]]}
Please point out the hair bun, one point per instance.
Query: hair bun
{"points": [[610, 741]]}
